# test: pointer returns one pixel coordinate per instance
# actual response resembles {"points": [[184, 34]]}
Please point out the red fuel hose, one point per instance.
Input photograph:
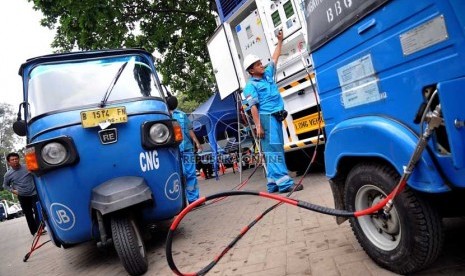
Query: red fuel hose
{"points": [[281, 200]]}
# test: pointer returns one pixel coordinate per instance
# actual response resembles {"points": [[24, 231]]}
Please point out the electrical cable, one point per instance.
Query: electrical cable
{"points": [[237, 187]]}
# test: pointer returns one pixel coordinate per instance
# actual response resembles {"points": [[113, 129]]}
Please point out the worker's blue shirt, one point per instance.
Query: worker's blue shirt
{"points": [[186, 126], [264, 92]]}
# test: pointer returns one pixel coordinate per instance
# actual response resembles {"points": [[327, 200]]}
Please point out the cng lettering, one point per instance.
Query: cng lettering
{"points": [[149, 161], [63, 217]]}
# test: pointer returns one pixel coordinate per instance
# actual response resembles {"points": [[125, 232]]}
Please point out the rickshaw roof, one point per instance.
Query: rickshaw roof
{"points": [[79, 55]]}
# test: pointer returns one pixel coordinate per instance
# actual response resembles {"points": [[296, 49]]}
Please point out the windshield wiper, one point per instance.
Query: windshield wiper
{"points": [[112, 85]]}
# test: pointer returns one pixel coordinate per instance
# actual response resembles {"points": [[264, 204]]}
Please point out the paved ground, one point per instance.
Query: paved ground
{"points": [[288, 241]]}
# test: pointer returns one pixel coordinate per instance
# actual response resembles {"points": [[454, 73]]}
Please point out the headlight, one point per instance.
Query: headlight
{"points": [[51, 154], [159, 133], [162, 133], [54, 153]]}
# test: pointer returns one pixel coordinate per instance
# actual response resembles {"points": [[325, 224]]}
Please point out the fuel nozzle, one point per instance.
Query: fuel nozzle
{"points": [[388, 207], [434, 118]]}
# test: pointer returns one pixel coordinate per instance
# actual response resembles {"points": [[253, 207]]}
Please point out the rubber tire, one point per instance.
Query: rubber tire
{"points": [[421, 233], [129, 244]]}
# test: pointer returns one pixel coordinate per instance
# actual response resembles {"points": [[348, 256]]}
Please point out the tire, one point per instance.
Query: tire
{"points": [[410, 239], [129, 244]]}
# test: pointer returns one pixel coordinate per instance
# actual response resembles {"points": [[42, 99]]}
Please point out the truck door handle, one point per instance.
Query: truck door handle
{"points": [[365, 27]]}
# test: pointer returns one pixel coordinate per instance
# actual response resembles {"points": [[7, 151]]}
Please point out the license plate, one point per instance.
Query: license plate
{"points": [[307, 123], [112, 115]]}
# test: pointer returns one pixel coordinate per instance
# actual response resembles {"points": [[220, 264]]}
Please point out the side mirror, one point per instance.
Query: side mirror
{"points": [[19, 127], [172, 102]]}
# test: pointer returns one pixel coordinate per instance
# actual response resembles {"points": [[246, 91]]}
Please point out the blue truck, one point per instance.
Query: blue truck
{"points": [[390, 75]]}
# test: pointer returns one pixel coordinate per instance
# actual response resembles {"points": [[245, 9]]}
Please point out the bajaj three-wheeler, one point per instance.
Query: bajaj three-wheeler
{"points": [[102, 147]]}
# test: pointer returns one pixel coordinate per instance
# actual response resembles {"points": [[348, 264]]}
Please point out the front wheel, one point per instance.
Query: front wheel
{"points": [[129, 244], [409, 238]]}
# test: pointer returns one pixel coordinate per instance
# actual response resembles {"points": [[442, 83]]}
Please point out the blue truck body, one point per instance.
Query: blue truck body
{"points": [[390, 75], [372, 113]]}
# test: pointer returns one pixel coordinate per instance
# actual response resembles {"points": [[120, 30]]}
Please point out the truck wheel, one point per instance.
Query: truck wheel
{"points": [[410, 238], [129, 244]]}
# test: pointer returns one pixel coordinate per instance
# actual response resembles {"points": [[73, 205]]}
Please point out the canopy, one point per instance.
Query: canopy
{"points": [[216, 120]]}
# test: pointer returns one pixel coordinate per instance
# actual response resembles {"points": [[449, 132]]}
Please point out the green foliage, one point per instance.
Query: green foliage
{"points": [[187, 105], [8, 139], [176, 30], [8, 196]]}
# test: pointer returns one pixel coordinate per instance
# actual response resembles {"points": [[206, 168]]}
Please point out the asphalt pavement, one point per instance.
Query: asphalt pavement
{"points": [[287, 241]]}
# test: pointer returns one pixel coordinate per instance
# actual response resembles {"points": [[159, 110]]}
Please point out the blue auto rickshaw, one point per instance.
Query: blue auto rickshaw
{"points": [[102, 147]]}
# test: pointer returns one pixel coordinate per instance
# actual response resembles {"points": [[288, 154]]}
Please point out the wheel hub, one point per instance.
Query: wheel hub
{"points": [[383, 230], [386, 223]]}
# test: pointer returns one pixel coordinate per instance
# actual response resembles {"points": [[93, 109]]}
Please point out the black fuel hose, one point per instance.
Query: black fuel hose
{"points": [[281, 200]]}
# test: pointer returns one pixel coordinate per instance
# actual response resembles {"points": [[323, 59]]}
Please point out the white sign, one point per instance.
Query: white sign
{"points": [[359, 83]]}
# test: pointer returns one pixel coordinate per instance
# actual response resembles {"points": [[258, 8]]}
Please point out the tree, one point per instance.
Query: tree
{"points": [[7, 138], [187, 105], [176, 30], [8, 196]]}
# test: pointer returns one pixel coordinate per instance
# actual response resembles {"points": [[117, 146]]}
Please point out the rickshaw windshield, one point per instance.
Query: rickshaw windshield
{"points": [[63, 85]]}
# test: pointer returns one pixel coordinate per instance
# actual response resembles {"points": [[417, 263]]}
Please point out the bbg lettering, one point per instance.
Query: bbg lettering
{"points": [[337, 10], [149, 161]]}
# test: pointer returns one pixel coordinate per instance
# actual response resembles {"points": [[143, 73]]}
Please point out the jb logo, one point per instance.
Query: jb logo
{"points": [[63, 217], [173, 187]]}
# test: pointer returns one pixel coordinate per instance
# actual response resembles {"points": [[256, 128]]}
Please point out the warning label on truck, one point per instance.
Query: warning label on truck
{"points": [[359, 83], [424, 36]]}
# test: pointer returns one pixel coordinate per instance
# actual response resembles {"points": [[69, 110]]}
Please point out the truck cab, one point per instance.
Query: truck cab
{"points": [[390, 76]]}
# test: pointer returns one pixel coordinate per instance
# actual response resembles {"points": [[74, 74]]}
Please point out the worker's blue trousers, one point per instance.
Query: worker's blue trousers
{"points": [[188, 168], [273, 148]]}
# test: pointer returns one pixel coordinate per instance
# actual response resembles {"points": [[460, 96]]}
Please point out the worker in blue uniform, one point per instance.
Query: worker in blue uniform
{"points": [[267, 108], [187, 150]]}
